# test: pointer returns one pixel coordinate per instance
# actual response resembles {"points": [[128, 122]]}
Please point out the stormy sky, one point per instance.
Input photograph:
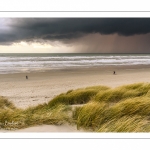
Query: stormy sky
{"points": [[80, 35]]}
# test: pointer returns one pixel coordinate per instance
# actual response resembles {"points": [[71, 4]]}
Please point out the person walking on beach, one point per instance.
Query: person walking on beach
{"points": [[26, 77], [114, 72]]}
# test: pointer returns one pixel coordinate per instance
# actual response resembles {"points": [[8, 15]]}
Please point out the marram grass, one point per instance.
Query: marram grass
{"points": [[79, 96], [126, 124], [89, 115], [122, 109], [123, 92]]}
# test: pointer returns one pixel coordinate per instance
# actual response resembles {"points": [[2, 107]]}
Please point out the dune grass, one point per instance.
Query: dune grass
{"points": [[115, 110], [89, 115], [123, 92], [13, 118], [5, 104], [126, 124], [122, 109], [79, 96], [34, 116]]}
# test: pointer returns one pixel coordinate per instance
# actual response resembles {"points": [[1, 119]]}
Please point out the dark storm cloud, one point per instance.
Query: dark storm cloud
{"points": [[30, 29]]}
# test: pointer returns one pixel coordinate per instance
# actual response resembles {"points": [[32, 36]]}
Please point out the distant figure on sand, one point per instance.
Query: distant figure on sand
{"points": [[26, 77], [114, 72]]}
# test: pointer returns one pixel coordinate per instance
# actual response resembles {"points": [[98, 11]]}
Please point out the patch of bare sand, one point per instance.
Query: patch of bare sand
{"points": [[47, 128]]}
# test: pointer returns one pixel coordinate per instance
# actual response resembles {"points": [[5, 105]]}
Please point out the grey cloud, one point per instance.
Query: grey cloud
{"points": [[30, 29]]}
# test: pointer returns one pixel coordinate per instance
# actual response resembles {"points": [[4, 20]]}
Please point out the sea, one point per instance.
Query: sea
{"points": [[40, 62]]}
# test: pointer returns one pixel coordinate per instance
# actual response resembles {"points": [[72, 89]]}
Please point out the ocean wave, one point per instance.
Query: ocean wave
{"points": [[27, 63]]}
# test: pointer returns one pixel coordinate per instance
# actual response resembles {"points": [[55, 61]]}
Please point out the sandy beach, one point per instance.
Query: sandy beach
{"points": [[42, 87]]}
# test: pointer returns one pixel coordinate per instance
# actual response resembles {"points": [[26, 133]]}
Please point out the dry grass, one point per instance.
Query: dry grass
{"points": [[79, 96], [122, 109], [41, 114], [126, 124]]}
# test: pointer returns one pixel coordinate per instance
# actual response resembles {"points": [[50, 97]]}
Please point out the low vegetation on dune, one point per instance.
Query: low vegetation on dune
{"points": [[79, 96], [96, 109], [122, 109]]}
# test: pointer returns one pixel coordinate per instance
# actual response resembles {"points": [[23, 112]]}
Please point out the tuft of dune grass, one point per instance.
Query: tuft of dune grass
{"points": [[5, 104], [12, 118], [95, 114], [31, 117], [123, 92], [126, 124], [89, 115], [46, 115], [132, 106], [79, 96]]}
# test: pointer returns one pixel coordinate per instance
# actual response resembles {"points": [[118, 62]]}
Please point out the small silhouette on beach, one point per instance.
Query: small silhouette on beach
{"points": [[26, 77], [114, 72]]}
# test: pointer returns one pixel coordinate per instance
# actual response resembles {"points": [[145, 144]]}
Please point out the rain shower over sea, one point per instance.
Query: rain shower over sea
{"points": [[40, 62]]}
